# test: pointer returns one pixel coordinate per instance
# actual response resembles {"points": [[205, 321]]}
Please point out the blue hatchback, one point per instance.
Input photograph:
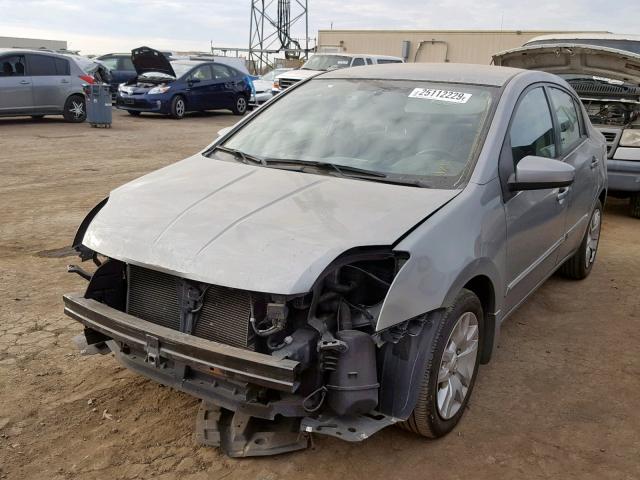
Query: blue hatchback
{"points": [[180, 86]]}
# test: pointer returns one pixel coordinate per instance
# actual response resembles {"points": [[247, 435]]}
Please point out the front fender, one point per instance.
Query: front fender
{"points": [[465, 239]]}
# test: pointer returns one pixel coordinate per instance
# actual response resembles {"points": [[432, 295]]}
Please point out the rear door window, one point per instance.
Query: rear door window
{"points": [[42, 65], [369, 61], [531, 130], [125, 63], [357, 62], [12, 66], [567, 116], [62, 66]]}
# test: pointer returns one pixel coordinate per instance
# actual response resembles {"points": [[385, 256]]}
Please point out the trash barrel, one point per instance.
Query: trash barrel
{"points": [[98, 105]]}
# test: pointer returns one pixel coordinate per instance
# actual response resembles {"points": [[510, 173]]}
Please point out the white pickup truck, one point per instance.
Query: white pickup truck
{"points": [[322, 62]]}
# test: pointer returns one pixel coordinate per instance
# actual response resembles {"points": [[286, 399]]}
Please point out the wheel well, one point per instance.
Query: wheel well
{"points": [[602, 197], [483, 288]]}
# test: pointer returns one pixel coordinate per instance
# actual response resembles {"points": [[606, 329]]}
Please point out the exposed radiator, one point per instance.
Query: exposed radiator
{"points": [[224, 317]]}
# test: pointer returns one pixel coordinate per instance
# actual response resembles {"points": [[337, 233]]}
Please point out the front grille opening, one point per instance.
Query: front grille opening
{"points": [[154, 296]]}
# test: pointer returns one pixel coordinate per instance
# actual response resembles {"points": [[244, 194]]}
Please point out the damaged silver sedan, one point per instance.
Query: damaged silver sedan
{"points": [[342, 260]]}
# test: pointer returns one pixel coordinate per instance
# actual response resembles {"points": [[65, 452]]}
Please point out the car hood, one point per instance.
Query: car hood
{"points": [[147, 60], [262, 85], [574, 58], [299, 74], [250, 227]]}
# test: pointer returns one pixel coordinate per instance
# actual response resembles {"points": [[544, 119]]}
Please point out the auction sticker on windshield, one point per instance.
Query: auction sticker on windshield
{"points": [[440, 95]]}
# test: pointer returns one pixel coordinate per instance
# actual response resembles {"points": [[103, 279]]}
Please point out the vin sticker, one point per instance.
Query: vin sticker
{"points": [[441, 95]]}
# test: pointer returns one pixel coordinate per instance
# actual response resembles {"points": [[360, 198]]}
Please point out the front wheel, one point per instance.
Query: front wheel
{"points": [[452, 366], [240, 105], [579, 265], [133, 113], [75, 109], [178, 107]]}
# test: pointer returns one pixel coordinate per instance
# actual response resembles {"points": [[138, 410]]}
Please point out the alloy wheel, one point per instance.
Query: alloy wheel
{"points": [[241, 104], [77, 109], [180, 108], [593, 236], [457, 365]]}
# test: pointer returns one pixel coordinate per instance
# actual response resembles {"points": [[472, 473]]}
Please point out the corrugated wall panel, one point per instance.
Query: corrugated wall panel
{"points": [[429, 45]]}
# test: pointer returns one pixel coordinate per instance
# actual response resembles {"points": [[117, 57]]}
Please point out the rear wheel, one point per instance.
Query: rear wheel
{"points": [[452, 366], [634, 205], [240, 105], [75, 109], [579, 265], [178, 107], [133, 113]]}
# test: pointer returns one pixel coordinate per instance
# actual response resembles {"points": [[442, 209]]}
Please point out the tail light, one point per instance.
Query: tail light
{"points": [[88, 78]]}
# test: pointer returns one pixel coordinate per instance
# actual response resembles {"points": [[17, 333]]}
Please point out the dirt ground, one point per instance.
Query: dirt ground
{"points": [[560, 399]]}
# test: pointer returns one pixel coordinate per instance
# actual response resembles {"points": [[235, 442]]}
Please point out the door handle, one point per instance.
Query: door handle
{"points": [[64, 81], [24, 82], [594, 162], [562, 193]]}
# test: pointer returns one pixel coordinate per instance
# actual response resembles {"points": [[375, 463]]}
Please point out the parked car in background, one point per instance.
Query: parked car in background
{"points": [[351, 269], [120, 68], [180, 86], [39, 83], [604, 69], [322, 62], [263, 86]]}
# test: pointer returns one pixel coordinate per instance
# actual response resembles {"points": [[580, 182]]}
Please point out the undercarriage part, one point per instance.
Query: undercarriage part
{"points": [[353, 384], [240, 435], [79, 270], [350, 429]]}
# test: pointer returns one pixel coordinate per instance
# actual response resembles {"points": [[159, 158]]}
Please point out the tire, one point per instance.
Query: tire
{"points": [[634, 205], [178, 107], [240, 105], [133, 113], [434, 416], [75, 109], [579, 265]]}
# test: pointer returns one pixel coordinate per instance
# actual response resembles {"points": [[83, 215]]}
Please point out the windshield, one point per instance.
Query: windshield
{"points": [[413, 129], [325, 62], [626, 45], [181, 68]]}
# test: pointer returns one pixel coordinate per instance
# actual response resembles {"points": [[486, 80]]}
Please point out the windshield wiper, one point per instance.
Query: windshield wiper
{"points": [[346, 171], [342, 170], [243, 157]]}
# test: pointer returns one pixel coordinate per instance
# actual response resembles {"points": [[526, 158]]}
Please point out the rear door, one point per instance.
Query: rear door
{"points": [[575, 150], [535, 218], [227, 83], [16, 93], [51, 81]]}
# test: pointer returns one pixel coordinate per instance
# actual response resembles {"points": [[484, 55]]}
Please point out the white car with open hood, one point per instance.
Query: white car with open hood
{"points": [[604, 69]]}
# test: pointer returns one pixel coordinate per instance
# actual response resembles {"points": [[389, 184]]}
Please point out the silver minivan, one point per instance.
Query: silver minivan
{"points": [[39, 83]]}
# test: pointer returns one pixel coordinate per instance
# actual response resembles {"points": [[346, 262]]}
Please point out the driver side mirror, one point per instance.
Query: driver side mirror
{"points": [[193, 80], [539, 173]]}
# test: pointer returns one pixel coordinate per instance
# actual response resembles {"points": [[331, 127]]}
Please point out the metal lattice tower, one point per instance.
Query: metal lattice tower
{"points": [[270, 31]]}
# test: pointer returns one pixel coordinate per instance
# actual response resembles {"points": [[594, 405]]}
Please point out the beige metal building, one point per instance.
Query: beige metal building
{"points": [[36, 43], [459, 46]]}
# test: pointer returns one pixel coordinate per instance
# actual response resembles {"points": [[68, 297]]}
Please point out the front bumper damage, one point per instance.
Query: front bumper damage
{"points": [[227, 379]]}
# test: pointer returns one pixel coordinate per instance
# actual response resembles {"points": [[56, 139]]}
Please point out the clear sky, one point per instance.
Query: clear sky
{"points": [[120, 25]]}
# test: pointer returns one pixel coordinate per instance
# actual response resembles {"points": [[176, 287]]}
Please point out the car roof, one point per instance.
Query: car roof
{"points": [[585, 36], [33, 50], [437, 72], [371, 55]]}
